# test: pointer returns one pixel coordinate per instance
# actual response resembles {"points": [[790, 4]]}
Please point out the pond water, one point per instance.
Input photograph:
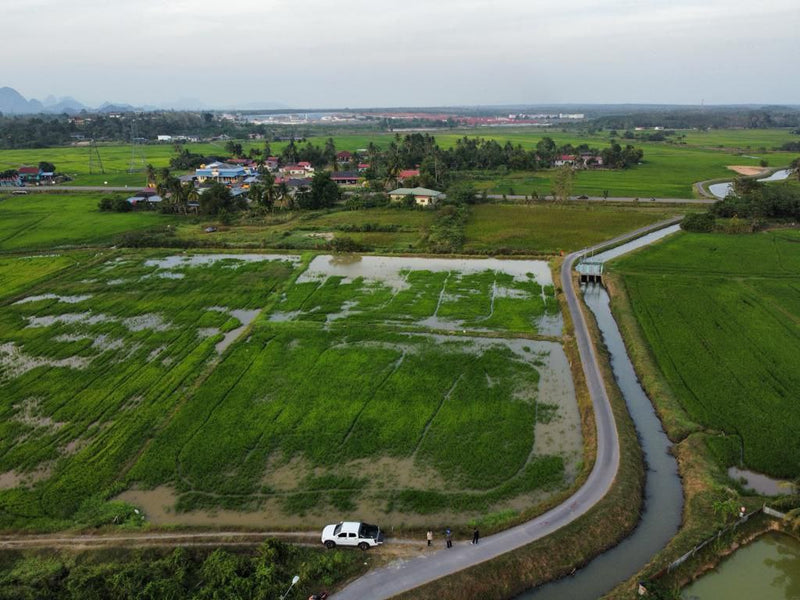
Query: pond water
{"points": [[763, 484], [767, 569], [720, 190]]}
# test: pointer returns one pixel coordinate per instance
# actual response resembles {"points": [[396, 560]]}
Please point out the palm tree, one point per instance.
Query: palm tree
{"points": [[795, 165], [150, 173]]}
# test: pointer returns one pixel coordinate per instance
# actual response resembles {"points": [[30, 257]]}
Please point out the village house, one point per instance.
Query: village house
{"points": [[300, 170], [407, 174], [422, 196], [222, 173], [565, 159], [344, 156], [29, 174], [345, 177]]}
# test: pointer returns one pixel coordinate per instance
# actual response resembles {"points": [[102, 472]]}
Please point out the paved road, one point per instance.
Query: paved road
{"points": [[401, 576], [642, 201], [35, 189], [133, 188]]}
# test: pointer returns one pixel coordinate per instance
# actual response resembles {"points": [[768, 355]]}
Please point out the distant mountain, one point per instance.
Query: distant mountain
{"points": [[66, 104], [14, 103]]}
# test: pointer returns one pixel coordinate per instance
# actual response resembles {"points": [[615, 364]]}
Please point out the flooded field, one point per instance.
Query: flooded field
{"points": [[219, 390]]}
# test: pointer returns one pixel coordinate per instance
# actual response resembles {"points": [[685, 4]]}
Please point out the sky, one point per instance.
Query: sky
{"points": [[362, 53]]}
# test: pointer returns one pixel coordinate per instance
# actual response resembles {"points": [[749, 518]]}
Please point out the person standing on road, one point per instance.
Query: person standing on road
{"points": [[475, 536], [448, 536], [429, 537]]}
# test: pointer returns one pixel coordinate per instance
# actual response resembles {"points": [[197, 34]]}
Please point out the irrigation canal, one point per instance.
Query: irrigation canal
{"points": [[663, 505]]}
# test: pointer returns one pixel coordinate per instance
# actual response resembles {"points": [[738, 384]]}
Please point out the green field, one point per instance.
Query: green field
{"points": [[40, 221], [44, 221], [548, 229], [668, 170], [722, 316], [348, 392]]}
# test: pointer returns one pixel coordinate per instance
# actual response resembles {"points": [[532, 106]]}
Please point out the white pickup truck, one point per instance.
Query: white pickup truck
{"points": [[351, 533]]}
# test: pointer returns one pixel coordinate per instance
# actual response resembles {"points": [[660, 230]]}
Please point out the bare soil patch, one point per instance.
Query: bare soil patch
{"points": [[746, 170]]}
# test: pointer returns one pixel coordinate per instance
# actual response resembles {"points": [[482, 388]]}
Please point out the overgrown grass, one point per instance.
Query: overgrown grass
{"points": [[40, 221], [548, 228]]}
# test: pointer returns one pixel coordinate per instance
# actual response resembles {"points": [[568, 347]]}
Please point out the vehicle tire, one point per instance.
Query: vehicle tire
{"points": [[364, 546], [330, 544]]}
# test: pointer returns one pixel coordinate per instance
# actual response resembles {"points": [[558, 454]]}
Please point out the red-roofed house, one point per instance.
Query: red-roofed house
{"points": [[406, 174], [363, 167], [301, 169], [565, 159], [28, 174], [344, 156]]}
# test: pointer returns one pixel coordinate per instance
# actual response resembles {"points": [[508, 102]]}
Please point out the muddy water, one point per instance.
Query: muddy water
{"points": [[387, 269], [197, 260], [767, 569], [391, 271], [761, 483]]}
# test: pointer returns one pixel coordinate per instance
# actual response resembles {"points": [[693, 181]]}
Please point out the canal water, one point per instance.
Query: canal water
{"points": [[720, 190], [663, 505], [767, 569]]}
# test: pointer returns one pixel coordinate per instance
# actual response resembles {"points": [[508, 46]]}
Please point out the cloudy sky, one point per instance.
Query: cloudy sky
{"points": [[361, 53]]}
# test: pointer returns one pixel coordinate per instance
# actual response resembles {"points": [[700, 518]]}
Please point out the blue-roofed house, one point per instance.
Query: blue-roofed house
{"points": [[222, 173]]}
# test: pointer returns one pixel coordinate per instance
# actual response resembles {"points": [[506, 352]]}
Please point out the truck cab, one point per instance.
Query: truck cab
{"points": [[352, 533]]}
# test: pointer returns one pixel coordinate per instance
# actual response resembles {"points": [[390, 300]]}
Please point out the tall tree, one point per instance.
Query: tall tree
{"points": [[562, 183]]}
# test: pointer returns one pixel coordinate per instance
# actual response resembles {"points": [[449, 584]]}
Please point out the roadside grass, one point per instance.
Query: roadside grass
{"points": [[550, 228], [41, 221]]}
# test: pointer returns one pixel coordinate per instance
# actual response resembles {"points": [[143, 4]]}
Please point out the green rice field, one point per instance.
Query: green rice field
{"points": [[40, 221], [722, 316], [277, 390]]}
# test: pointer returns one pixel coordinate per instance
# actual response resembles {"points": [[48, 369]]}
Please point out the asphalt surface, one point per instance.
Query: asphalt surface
{"points": [[133, 188], [403, 575]]}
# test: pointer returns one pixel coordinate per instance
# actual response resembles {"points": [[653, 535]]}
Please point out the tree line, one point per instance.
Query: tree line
{"points": [[749, 206]]}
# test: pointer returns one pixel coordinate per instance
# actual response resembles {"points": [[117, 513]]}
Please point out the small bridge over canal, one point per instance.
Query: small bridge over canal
{"points": [[591, 271]]}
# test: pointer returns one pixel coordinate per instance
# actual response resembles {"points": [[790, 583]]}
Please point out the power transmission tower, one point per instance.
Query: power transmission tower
{"points": [[95, 162], [133, 167]]}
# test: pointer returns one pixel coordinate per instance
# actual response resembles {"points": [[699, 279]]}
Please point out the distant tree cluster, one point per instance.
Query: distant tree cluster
{"points": [[749, 206], [702, 118]]}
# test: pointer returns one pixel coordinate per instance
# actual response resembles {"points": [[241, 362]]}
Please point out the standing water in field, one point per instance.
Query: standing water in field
{"points": [[663, 503]]}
